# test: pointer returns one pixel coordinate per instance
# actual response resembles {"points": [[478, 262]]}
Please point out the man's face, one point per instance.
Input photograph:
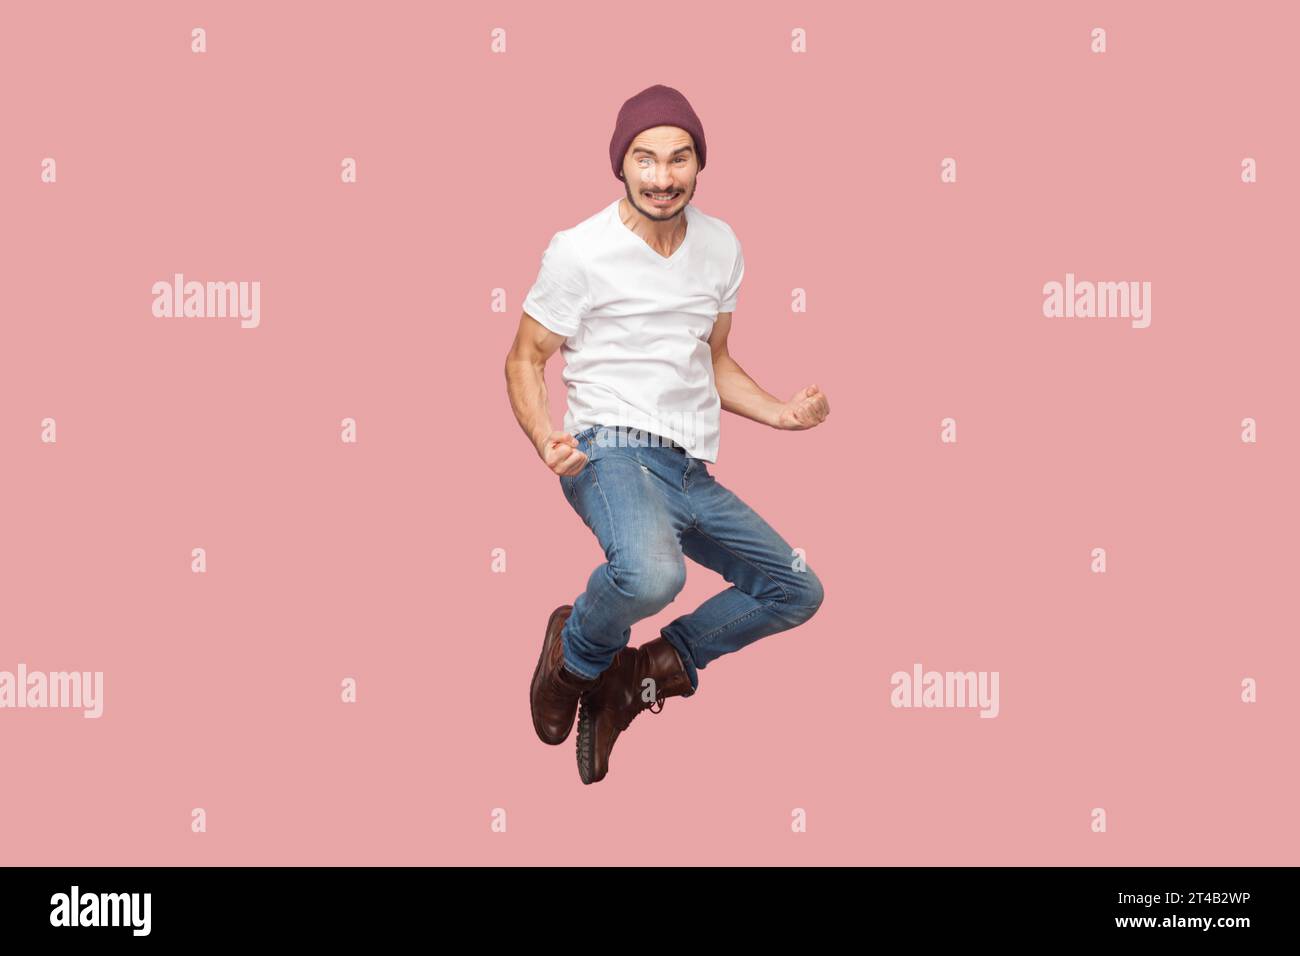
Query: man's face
{"points": [[661, 161]]}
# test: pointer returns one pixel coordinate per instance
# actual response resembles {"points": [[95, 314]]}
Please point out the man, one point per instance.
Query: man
{"points": [[640, 296]]}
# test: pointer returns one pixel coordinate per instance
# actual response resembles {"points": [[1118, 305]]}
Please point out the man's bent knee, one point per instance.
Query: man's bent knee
{"points": [[652, 585], [806, 598]]}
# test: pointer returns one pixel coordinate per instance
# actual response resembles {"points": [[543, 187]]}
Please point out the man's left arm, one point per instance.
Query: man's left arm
{"points": [[741, 395]]}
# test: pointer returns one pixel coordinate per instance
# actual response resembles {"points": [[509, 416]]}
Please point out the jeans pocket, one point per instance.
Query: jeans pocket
{"points": [[589, 445], [570, 482]]}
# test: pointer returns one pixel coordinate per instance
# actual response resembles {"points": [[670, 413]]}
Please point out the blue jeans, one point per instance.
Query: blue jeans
{"points": [[649, 507]]}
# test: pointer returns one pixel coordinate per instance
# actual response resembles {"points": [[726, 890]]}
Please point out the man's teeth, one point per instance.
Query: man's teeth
{"points": [[661, 195]]}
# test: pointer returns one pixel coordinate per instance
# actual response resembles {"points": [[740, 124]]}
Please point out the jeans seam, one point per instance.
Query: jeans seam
{"points": [[613, 525], [785, 595], [707, 638]]}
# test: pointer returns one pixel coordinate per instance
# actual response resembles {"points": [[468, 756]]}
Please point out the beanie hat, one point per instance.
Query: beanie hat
{"points": [[656, 105]]}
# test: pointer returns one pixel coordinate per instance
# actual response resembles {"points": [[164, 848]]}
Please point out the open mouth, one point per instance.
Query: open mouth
{"points": [[662, 199]]}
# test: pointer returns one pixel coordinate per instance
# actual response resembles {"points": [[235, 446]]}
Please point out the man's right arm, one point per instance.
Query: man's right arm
{"points": [[533, 346]]}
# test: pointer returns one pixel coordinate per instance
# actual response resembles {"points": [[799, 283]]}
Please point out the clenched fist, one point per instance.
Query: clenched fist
{"points": [[560, 452], [809, 407]]}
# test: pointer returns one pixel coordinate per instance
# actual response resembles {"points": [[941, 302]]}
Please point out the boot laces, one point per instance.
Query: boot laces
{"points": [[655, 707]]}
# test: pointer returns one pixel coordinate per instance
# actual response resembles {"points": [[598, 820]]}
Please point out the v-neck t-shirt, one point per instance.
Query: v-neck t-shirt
{"points": [[637, 324]]}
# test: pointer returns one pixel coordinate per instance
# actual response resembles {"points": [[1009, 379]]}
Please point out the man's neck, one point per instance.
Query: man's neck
{"points": [[663, 237]]}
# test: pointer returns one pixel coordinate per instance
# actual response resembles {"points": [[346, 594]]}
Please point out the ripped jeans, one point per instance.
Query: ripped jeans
{"points": [[650, 506]]}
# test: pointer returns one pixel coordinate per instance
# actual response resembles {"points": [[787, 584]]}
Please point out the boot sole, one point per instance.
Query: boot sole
{"points": [[586, 747], [548, 642]]}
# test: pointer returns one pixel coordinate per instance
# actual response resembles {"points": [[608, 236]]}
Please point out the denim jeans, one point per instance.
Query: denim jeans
{"points": [[649, 507]]}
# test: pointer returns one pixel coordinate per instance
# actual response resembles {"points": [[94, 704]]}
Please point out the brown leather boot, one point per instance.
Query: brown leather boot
{"points": [[606, 710], [554, 692]]}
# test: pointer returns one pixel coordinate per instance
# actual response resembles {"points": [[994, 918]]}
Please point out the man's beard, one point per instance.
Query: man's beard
{"points": [[651, 212]]}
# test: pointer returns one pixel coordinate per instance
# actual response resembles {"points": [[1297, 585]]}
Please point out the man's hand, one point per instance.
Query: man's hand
{"points": [[560, 452], [809, 407]]}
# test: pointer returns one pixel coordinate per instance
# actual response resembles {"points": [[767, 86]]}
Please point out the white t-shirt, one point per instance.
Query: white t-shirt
{"points": [[638, 324]]}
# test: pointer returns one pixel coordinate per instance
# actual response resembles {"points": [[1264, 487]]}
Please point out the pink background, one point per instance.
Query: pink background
{"points": [[373, 560]]}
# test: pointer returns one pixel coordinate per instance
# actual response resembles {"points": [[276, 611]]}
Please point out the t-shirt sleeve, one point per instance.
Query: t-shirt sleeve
{"points": [[558, 299], [733, 284]]}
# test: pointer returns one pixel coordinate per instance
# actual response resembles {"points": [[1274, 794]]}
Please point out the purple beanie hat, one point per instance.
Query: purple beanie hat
{"points": [[656, 105]]}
